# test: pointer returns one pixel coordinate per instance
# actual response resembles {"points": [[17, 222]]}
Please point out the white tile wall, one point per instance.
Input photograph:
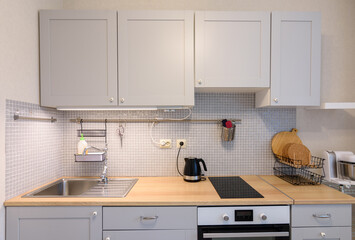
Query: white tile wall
{"points": [[37, 152], [249, 153], [33, 148]]}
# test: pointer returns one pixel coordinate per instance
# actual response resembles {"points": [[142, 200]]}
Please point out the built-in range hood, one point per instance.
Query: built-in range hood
{"points": [[335, 105]]}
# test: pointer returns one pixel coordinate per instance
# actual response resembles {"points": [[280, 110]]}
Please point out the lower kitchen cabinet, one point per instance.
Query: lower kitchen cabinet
{"points": [[321, 233], [151, 235], [55, 223], [150, 223], [313, 222]]}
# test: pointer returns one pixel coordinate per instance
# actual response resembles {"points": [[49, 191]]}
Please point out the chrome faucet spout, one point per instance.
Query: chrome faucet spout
{"points": [[103, 175]]}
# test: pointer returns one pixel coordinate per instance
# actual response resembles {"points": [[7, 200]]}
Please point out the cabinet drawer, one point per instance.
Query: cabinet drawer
{"points": [[149, 218], [336, 233], [320, 215], [151, 235]]}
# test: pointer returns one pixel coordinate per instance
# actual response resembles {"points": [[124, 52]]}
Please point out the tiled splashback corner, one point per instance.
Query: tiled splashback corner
{"points": [[33, 148], [249, 153], [37, 152]]}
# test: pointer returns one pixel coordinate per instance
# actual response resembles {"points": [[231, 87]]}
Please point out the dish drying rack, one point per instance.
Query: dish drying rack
{"points": [[100, 154], [296, 173]]}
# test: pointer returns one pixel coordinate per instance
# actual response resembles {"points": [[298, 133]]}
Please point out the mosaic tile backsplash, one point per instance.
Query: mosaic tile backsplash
{"points": [[34, 149], [137, 155]]}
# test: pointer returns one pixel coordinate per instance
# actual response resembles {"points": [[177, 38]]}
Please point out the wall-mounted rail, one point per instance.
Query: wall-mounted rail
{"points": [[18, 117]]}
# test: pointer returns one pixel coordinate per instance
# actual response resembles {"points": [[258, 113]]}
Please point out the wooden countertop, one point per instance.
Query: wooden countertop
{"points": [[311, 194], [169, 191], [165, 191]]}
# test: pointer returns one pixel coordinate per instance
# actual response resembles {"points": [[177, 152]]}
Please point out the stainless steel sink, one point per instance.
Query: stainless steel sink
{"points": [[85, 187]]}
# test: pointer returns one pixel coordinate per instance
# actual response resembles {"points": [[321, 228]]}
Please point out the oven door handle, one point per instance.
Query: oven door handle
{"points": [[251, 234]]}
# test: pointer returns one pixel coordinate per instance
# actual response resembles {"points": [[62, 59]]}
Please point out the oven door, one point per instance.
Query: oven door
{"points": [[245, 232]]}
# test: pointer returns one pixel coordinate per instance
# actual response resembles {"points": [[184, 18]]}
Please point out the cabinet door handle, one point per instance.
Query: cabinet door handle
{"points": [[149, 218], [122, 100], [327, 215], [111, 99], [199, 81], [108, 238], [322, 234], [94, 213], [276, 100]]}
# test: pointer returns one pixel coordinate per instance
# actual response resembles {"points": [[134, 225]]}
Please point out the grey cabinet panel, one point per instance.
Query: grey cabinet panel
{"points": [[55, 223], [78, 58], [149, 218], [295, 60], [151, 235], [232, 49], [322, 233], [155, 54], [321, 215]]}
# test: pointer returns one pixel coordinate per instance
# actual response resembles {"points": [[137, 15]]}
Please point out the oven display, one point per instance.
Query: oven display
{"points": [[243, 215]]}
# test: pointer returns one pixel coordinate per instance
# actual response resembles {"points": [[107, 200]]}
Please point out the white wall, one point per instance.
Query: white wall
{"points": [[319, 130], [19, 68]]}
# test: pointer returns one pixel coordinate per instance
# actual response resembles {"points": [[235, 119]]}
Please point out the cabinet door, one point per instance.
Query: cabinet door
{"points": [[295, 60], [78, 58], [322, 233], [321, 215], [151, 235], [232, 49], [125, 218], [156, 58], [55, 223]]}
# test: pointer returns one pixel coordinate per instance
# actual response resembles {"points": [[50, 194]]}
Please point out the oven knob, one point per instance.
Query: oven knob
{"points": [[263, 216], [225, 217]]}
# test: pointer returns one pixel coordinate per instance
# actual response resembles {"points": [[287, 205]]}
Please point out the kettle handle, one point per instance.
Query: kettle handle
{"points": [[203, 163]]}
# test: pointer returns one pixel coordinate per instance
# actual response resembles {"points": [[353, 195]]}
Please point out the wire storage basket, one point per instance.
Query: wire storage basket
{"points": [[315, 162], [299, 175]]}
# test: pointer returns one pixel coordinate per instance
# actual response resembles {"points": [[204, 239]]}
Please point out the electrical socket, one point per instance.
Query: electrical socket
{"points": [[178, 143], [165, 143]]}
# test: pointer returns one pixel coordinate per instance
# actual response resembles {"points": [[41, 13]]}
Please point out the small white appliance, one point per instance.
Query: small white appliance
{"points": [[333, 166]]}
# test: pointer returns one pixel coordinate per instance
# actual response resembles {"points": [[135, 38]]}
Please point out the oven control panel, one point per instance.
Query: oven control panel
{"points": [[243, 215]]}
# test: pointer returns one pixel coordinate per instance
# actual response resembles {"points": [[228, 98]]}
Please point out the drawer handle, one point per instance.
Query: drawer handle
{"points": [[322, 215], [148, 218]]}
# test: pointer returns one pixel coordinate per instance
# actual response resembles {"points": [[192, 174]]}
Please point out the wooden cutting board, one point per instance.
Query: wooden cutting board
{"points": [[281, 139], [299, 154]]}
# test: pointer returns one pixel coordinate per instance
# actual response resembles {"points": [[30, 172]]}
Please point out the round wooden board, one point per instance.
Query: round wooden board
{"points": [[299, 153], [281, 139]]}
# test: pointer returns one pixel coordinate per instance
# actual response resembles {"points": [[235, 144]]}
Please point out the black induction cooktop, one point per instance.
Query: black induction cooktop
{"points": [[233, 187]]}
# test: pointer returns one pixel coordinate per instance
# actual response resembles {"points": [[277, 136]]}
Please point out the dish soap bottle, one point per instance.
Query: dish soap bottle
{"points": [[82, 144]]}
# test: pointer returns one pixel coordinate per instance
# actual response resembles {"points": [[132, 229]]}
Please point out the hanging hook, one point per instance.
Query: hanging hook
{"points": [[81, 126], [106, 132]]}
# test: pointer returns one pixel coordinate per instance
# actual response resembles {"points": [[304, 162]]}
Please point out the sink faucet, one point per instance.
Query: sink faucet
{"points": [[103, 174]]}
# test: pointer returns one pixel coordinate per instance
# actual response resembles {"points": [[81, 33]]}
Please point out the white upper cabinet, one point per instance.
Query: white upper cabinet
{"points": [[232, 50], [155, 58], [78, 58], [295, 60]]}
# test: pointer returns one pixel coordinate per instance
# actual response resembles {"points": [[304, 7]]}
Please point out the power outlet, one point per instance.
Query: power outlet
{"points": [[165, 143], [178, 143]]}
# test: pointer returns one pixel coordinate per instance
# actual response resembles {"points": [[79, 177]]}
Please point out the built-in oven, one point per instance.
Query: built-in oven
{"points": [[247, 223]]}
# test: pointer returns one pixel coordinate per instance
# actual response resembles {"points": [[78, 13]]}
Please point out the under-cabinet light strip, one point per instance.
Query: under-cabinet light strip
{"points": [[80, 120]]}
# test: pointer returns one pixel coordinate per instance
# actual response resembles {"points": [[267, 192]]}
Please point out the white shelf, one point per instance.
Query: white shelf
{"points": [[335, 105]]}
